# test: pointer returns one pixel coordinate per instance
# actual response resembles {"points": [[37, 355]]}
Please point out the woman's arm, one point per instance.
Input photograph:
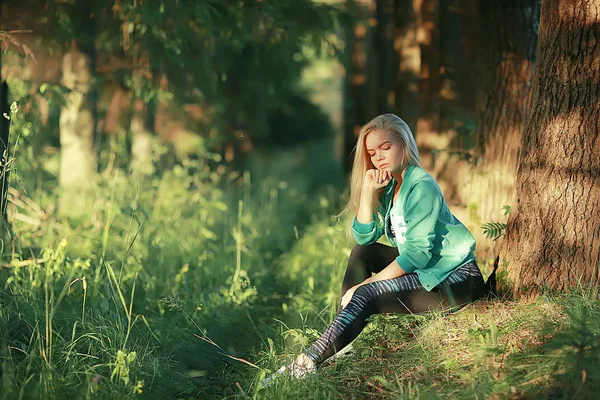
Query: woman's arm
{"points": [[373, 180], [394, 270], [365, 210], [364, 228]]}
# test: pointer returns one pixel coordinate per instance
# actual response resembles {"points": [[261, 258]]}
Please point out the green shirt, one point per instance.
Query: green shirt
{"points": [[431, 241]]}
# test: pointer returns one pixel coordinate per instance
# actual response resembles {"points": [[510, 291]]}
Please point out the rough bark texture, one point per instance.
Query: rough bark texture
{"points": [[506, 56], [78, 158], [507, 50], [553, 233], [494, 66]]}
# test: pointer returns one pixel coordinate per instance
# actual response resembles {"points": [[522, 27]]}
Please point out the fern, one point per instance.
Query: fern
{"points": [[493, 230]]}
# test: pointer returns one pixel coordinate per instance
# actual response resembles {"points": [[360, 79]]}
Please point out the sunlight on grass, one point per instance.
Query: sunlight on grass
{"points": [[487, 349]]}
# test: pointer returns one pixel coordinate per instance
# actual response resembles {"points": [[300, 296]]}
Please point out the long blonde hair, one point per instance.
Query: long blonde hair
{"points": [[385, 122]]}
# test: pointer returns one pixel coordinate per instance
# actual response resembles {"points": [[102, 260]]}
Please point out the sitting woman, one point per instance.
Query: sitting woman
{"points": [[430, 265]]}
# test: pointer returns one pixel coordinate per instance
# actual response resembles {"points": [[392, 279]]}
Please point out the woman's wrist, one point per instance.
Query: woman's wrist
{"points": [[365, 212], [368, 190]]}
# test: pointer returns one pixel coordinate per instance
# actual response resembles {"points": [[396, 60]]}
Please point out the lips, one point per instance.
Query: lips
{"points": [[383, 165]]}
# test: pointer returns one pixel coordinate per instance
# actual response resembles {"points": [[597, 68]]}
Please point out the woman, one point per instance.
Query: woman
{"points": [[431, 265]]}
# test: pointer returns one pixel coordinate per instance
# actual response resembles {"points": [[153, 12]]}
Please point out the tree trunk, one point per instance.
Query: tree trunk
{"points": [[141, 136], [78, 158], [141, 148], [507, 54], [386, 57], [553, 232], [508, 40], [4, 156], [78, 162], [360, 89], [406, 45], [430, 81]]}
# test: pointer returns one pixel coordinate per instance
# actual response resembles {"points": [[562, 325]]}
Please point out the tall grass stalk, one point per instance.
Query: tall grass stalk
{"points": [[239, 240]]}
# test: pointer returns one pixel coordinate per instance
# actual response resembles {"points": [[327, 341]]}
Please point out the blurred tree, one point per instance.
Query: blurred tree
{"points": [[78, 163], [360, 104], [229, 65], [430, 81], [4, 154], [506, 57], [406, 45], [387, 62], [553, 232], [140, 84]]}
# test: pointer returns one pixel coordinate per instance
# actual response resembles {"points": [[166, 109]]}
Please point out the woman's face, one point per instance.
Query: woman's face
{"points": [[384, 150]]}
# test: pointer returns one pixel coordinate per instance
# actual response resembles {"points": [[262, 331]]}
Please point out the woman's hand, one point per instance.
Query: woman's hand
{"points": [[375, 179], [348, 296]]}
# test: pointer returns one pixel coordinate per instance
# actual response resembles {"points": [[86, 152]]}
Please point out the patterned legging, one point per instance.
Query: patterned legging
{"points": [[399, 295]]}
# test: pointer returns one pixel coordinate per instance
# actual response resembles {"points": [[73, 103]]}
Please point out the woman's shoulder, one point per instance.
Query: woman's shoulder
{"points": [[418, 176], [422, 181]]}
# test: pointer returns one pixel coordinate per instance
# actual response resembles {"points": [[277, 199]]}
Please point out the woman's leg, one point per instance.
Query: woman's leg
{"points": [[399, 295], [366, 260]]}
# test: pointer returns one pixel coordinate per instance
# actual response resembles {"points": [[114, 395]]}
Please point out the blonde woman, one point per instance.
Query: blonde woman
{"points": [[430, 265]]}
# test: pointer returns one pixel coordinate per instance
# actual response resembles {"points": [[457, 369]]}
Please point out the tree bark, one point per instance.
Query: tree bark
{"points": [[553, 233], [506, 52]]}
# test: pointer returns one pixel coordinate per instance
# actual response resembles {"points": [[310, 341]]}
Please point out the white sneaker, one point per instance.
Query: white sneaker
{"points": [[346, 351], [293, 370]]}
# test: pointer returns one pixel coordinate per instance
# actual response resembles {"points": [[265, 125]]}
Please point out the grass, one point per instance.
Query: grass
{"points": [[544, 349]]}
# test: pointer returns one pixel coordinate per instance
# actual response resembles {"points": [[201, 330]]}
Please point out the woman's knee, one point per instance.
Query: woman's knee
{"points": [[365, 292]]}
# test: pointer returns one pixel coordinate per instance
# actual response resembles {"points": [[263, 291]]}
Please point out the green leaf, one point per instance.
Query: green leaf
{"points": [[493, 230]]}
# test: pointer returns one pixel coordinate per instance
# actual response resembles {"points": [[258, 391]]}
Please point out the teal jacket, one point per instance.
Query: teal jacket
{"points": [[431, 241]]}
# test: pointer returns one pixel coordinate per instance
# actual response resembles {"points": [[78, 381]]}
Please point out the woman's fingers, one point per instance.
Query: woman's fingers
{"points": [[377, 178], [382, 177]]}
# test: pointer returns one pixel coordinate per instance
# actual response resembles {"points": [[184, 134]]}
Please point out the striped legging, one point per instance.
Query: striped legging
{"points": [[399, 295]]}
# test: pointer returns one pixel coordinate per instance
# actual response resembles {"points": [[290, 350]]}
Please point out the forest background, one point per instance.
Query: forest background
{"points": [[172, 171]]}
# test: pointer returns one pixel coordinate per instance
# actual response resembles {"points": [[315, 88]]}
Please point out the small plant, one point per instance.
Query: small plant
{"points": [[495, 230]]}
